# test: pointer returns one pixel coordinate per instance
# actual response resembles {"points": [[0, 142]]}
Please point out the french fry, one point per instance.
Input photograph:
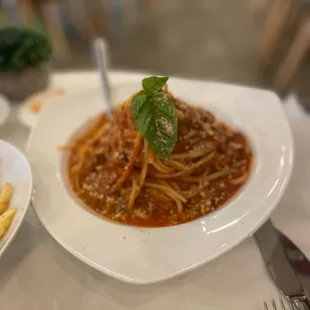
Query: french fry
{"points": [[6, 220], [5, 196]]}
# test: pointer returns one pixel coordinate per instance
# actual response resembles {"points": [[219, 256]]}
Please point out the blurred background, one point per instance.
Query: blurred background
{"points": [[255, 42]]}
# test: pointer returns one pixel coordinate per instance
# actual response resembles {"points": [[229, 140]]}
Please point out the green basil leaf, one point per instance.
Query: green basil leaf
{"points": [[154, 84], [157, 122], [138, 101], [155, 116]]}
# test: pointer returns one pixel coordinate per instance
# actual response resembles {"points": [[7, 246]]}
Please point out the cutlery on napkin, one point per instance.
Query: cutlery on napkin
{"points": [[287, 265]]}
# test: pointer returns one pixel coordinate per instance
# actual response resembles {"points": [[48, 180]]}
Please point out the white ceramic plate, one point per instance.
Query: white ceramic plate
{"points": [[14, 168], [4, 110], [150, 255]]}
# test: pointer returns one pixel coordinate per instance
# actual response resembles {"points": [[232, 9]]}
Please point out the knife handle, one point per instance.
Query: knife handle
{"points": [[300, 303]]}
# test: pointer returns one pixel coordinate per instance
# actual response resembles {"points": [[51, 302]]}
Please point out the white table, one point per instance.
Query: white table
{"points": [[36, 273]]}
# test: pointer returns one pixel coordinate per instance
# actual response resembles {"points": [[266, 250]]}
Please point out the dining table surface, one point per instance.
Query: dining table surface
{"points": [[37, 273]]}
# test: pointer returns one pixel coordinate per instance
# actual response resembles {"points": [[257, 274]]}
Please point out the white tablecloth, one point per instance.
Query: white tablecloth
{"points": [[36, 273]]}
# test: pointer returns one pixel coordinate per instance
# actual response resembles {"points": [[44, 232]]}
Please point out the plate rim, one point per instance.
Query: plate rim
{"points": [[258, 223]]}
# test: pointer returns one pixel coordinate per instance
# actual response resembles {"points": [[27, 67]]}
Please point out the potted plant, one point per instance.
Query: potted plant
{"points": [[25, 52]]}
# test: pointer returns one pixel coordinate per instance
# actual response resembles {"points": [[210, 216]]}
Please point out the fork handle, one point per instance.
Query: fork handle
{"points": [[300, 303], [101, 61]]}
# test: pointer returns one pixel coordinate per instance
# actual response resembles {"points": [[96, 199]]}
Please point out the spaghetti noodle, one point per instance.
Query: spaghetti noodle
{"points": [[115, 172]]}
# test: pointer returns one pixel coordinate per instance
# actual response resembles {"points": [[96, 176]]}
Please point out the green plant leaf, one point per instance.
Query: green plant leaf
{"points": [[156, 118], [154, 84], [23, 47]]}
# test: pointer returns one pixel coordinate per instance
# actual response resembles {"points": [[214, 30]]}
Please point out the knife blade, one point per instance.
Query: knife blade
{"points": [[287, 265]]}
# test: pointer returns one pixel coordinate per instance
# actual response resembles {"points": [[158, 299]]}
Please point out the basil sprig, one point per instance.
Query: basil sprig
{"points": [[155, 116]]}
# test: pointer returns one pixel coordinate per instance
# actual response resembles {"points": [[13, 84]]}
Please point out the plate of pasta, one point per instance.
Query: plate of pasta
{"points": [[179, 173], [15, 191]]}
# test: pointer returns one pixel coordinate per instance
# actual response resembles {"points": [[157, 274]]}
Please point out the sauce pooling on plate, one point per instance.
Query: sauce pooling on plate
{"points": [[121, 167]]}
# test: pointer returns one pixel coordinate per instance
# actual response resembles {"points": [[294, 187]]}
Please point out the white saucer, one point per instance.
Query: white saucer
{"points": [[5, 110], [71, 82], [27, 115]]}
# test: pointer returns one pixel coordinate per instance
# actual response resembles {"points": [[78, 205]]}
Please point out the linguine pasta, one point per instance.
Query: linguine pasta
{"points": [[113, 169]]}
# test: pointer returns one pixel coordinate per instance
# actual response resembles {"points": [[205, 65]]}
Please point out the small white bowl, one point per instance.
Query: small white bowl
{"points": [[15, 169]]}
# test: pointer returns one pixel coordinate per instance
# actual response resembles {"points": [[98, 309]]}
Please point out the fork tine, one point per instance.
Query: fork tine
{"points": [[282, 304], [274, 305]]}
